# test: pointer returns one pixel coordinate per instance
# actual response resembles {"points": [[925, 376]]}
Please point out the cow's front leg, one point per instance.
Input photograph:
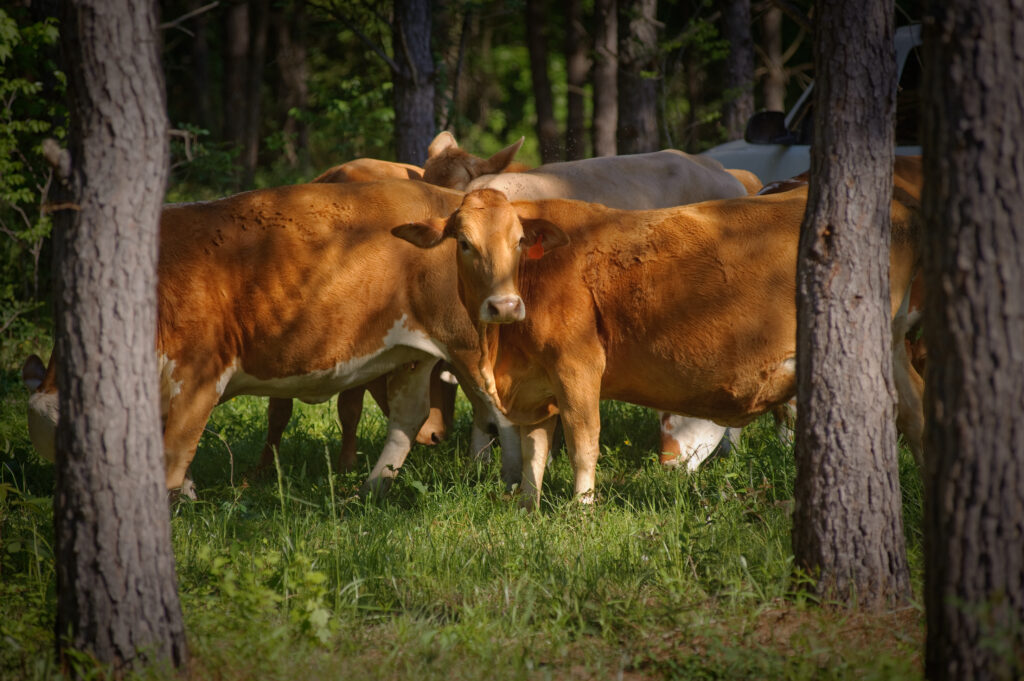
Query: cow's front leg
{"points": [[579, 395], [187, 414], [409, 406], [536, 444]]}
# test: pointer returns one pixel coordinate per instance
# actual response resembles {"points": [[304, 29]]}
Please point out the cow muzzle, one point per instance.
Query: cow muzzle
{"points": [[502, 310]]}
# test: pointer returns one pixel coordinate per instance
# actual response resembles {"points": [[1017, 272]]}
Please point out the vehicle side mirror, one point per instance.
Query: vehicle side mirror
{"points": [[768, 127]]}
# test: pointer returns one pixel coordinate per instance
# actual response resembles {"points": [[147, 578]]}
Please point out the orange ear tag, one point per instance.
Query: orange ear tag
{"points": [[536, 251]]}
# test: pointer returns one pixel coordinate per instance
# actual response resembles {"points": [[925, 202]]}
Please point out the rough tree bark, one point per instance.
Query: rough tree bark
{"points": [[236, 60], [605, 75], [847, 523], [739, 67], [116, 588], [974, 326], [413, 75], [544, 102], [576, 66], [638, 86]]}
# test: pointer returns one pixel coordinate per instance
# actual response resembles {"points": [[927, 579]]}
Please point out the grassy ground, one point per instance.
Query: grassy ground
{"points": [[669, 576]]}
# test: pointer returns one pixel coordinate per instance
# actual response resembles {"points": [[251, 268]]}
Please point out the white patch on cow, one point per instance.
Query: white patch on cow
{"points": [[399, 346], [225, 378], [167, 384], [448, 377], [42, 423], [697, 439]]}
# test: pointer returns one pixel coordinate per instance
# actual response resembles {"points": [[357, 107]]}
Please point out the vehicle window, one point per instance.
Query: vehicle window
{"points": [[908, 107], [908, 101]]}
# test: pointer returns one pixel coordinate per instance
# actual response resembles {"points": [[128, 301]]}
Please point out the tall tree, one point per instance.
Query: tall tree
{"points": [[974, 326], [544, 102], [290, 22], [605, 75], [252, 113], [847, 524], [413, 73], [116, 588], [774, 88], [576, 67], [739, 67], [638, 86]]}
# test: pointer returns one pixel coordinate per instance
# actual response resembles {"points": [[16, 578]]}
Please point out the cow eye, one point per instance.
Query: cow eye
{"points": [[463, 245]]}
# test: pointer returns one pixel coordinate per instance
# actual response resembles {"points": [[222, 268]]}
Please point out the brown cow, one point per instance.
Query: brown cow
{"points": [[350, 402], [689, 310], [301, 292]]}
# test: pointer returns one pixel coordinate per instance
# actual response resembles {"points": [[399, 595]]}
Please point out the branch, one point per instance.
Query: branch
{"points": [[187, 16], [794, 13], [337, 15]]}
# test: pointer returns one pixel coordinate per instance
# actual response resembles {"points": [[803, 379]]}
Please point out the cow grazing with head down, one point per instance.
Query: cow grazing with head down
{"points": [[689, 310], [300, 292]]}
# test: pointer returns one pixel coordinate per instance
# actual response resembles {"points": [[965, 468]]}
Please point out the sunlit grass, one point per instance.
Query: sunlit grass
{"points": [[668, 575]]}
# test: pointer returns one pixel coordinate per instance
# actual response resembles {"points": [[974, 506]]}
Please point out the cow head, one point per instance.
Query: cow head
{"points": [[449, 166], [491, 243], [42, 405]]}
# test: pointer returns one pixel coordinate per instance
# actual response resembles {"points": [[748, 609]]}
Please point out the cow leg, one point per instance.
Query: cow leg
{"points": [[279, 412], [536, 443], [350, 411], [409, 404], [688, 441], [909, 392], [785, 422], [187, 414], [578, 405]]}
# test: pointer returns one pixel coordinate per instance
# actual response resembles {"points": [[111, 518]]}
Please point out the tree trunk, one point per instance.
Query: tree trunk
{"points": [[847, 523], [605, 75], [116, 588], [414, 80], [576, 66], [974, 326], [236, 65], [739, 68], [775, 78], [200, 76], [259, 19], [290, 23], [537, 44], [638, 86]]}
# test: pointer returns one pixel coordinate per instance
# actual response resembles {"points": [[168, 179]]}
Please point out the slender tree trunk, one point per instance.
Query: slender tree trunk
{"points": [[236, 65], [974, 327], [577, 66], [259, 20], [200, 77], [775, 78], [291, 23], [739, 67], [847, 523], [544, 103], [116, 588], [605, 75], [638, 85], [414, 80]]}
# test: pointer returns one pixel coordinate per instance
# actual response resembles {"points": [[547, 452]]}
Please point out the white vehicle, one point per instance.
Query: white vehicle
{"points": [[777, 146]]}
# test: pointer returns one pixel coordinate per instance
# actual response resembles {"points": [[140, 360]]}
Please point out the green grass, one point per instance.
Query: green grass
{"points": [[668, 576]]}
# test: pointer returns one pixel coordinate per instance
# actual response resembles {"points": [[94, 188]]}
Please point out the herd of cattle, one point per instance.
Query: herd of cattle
{"points": [[659, 279]]}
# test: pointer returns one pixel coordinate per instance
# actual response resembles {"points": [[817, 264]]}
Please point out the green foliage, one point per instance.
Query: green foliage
{"points": [[668, 575], [31, 109], [200, 168]]}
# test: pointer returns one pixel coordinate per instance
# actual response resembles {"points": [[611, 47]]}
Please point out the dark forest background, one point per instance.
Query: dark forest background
{"points": [[270, 92]]}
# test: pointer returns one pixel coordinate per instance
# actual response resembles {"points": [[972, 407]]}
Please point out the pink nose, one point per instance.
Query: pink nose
{"points": [[503, 310]]}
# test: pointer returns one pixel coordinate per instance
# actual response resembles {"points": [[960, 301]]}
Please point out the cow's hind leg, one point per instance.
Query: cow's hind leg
{"points": [[409, 405], [279, 413]]}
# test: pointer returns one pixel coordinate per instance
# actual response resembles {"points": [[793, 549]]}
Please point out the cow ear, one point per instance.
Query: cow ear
{"points": [[500, 161], [425, 234], [444, 140], [33, 372], [542, 236]]}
